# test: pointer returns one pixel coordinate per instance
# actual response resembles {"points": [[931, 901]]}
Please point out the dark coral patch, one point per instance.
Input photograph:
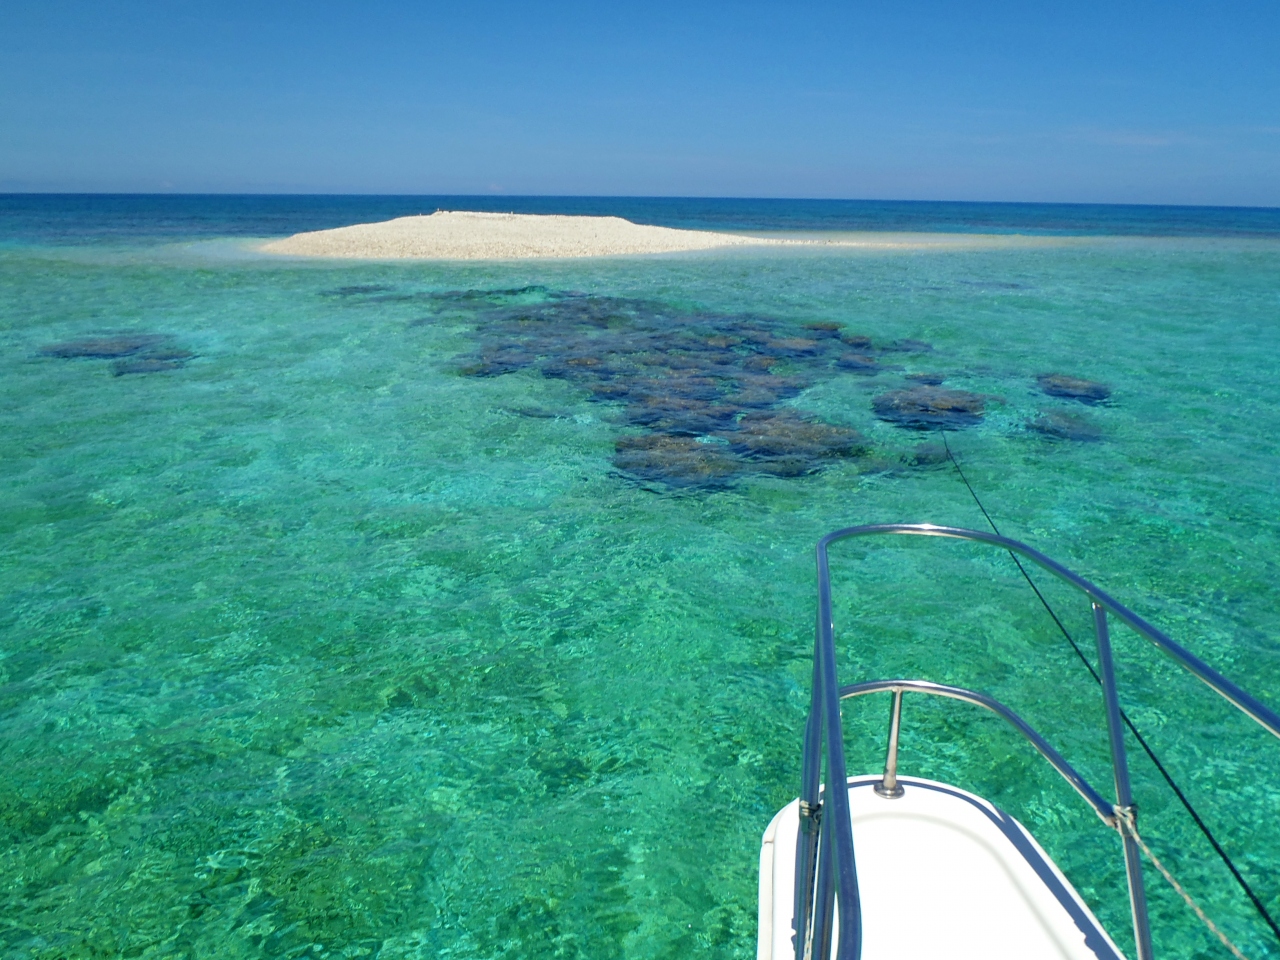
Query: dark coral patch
{"points": [[170, 353], [103, 348], [676, 415], [758, 390], [784, 433], [676, 461], [132, 352], [145, 365], [859, 363], [791, 347], [1066, 426], [863, 345], [1073, 388], [926, 407], [356, 290], [500, 359], [535, 413], [909, 346], [706, 386], [759, 362], [685, 387], [928, 455]]}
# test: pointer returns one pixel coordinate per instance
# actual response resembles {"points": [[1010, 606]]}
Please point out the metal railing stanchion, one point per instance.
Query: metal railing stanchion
{"points": [[1101, 806], [837, 823], [1124, 792], [810, 821], [824, 900], [889, 788]]}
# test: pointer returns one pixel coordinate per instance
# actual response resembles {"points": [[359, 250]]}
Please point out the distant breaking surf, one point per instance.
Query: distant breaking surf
{"points": [[460, 235]]}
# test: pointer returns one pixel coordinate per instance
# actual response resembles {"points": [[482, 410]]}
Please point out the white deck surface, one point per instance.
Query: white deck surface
{"points": [[942, 874]]}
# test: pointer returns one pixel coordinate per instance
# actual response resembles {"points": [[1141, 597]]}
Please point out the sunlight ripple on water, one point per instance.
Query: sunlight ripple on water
{"points": [[427, 610]]}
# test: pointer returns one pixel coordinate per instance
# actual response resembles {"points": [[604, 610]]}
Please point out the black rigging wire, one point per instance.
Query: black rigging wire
{"points": [[1168, 778]]}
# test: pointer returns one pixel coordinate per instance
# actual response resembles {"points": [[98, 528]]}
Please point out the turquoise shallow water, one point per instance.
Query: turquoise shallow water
{"points": [[320, 646]]}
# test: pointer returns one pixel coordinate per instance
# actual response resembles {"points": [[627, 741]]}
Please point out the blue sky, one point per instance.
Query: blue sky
{"points": [[1108, 102]]}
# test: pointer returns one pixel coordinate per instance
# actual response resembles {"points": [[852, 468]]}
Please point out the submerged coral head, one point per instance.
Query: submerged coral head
{"points": [[102, 348], [928, 407], [1073, 388]]}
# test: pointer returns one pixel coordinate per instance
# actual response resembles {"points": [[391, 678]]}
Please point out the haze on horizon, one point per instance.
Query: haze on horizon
{"points": [[1091, 102]]}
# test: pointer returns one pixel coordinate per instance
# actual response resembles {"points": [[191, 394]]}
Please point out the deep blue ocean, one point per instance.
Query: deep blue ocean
{"points": [[103, 218], [465, 610]]}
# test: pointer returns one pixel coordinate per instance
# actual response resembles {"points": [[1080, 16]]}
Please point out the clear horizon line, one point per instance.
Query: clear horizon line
{"points": [[637, 196]]}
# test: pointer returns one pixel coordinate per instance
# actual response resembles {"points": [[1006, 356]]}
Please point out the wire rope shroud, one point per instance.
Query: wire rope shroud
{"points": [[1130, 825]]}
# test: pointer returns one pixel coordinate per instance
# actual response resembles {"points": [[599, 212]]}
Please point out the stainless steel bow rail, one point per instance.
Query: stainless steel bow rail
{"points": [[826, 873]]}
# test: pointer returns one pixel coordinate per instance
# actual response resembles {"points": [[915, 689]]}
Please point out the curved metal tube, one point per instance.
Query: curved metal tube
{"points": [[1254, 708], [1091, 796], [837, 825], [832, 846]]}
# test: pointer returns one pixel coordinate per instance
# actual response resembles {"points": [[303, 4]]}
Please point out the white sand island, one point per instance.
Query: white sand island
{"points": [[467, 235], [462, 235]]}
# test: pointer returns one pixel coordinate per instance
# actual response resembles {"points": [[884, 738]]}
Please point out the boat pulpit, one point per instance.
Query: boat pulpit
{"points": [[902, 868]]}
